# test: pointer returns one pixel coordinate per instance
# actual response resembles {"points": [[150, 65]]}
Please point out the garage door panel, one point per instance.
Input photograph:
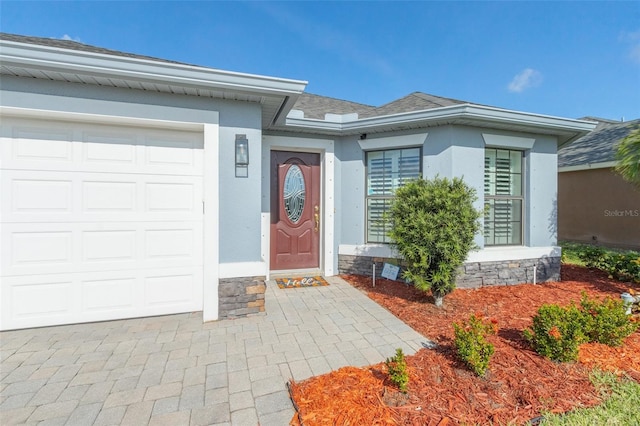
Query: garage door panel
{"points": [[109, 245], [96, 148], [109, 195], [40, 300], [172, 244], [41, 144], [36, 300], [31, 249], [101, 197], [173, 152], [98, 222], [45, 248], [109, 147], [41, 196]]}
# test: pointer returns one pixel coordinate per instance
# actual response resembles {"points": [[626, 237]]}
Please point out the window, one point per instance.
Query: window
{"points": [[386, 171], [503, 198]]}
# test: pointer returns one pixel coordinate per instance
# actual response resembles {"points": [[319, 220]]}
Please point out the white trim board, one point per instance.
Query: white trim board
{"points": [[326, 148], [588, 166], [393, 142], [243, 269], [42, 114], [504, 141], [489, 254]]}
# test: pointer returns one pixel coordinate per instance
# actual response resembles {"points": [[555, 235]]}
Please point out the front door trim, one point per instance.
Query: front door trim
{"points": [[325, 147]]}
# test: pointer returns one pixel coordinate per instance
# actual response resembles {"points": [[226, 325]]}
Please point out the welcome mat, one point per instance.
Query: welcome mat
{"points": [[301, 282]]}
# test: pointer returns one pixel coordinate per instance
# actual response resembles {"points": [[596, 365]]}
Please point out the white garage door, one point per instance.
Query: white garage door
{"points": [[98, 222]]}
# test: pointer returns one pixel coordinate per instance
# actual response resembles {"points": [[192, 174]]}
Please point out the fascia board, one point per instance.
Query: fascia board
{"points": [[142, 70], [450, 114], [588, 166], [529, 119]]}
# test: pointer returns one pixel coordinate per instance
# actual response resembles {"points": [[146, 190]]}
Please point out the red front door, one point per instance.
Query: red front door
{"points": [[295, 210]]}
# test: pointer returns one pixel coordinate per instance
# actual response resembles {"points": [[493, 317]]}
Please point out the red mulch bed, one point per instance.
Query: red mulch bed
{"points": [[519, 386]]}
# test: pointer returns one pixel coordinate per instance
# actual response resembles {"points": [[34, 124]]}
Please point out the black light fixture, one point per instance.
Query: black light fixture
{"points": [[242, 156]]}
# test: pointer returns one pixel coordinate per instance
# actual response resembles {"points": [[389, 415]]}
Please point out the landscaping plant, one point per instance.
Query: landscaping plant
{"points": [[623, 266], [397, 368], [433, 224], [606, 322], [471, 344], [557, 332], [628, 156]]}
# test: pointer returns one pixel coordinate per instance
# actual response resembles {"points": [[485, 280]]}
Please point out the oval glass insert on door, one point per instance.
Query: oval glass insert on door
{"points": [[294, 193]]}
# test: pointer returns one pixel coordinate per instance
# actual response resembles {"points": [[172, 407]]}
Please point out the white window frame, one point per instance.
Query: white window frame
{"points": [[385, 197], [506, 197]]}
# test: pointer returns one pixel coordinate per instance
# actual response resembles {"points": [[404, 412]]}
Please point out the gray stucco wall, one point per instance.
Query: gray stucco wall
{"points": [[350, 213], [456, 151], [240, 198], [542, 193], [239, 219]]}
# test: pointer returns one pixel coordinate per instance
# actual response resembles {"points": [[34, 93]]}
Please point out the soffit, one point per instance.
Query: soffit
{"points": [[55, 64]]}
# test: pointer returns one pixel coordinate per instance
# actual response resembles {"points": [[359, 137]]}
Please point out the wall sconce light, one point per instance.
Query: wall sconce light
{"points": [[242, 156]]}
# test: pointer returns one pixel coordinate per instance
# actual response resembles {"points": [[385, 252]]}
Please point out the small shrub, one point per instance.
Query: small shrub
{"points": [[397, 367], [595, 257], [471, 344], [557, 332], [621, 266], [606, 322], [625, 266]]}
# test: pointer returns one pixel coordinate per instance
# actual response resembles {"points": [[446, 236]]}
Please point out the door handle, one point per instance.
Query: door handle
{"points": [[316, 218]]}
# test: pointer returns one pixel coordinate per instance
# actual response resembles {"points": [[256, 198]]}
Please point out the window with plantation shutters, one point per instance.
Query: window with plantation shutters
{"points": [[503, 197], [386, 171]]}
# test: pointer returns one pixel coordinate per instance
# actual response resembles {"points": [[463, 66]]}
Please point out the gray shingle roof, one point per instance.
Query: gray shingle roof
{"points": [[416, 101], [315, 106], [599, 146], [74, 45]]}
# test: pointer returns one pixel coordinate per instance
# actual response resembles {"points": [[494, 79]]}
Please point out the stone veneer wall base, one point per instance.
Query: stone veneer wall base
{"points": [[471, 274], [239, 297]]}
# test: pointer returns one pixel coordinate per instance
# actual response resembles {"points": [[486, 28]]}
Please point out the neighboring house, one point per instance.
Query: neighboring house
{"points": [[135, 186], [595, 204]]}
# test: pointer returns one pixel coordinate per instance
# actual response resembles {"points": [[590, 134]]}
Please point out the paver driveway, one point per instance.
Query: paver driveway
{"points": [[175, 370]]}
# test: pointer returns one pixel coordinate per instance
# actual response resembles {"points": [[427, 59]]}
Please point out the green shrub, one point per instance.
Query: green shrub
{"points": [[625, 267], [621, 266], [557, 332], [606, 322], [397, 367], [433, 224], [595, 257], [628, 157], [471, 344]]}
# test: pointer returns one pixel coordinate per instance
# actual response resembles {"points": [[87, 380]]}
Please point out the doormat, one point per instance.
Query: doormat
{"points": [[301, 282]]}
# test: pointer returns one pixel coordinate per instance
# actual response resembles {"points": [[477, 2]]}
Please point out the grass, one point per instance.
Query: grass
{"points": [[620, 407], [571, 253]]}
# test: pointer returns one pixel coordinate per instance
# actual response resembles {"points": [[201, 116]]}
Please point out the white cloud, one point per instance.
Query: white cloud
{"points": [[632, 38], [68, 37], [525, 79]]}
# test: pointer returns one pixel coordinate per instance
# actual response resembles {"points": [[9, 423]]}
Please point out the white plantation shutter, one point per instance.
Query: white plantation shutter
{"points": [[503, 197], [387, 171]]}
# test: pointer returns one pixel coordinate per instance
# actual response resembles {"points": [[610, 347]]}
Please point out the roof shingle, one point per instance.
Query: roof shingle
{"points": [[315, 106], [598, 146]]}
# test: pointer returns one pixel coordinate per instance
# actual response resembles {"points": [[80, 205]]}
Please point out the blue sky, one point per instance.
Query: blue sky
{"points": [[569, 59]]}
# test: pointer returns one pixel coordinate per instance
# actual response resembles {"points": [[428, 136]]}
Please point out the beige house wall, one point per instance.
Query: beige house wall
{"points": [[598, 206]]}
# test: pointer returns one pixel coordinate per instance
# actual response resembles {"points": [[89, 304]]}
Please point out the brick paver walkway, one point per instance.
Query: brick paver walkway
{"points": [[175, 370]]}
